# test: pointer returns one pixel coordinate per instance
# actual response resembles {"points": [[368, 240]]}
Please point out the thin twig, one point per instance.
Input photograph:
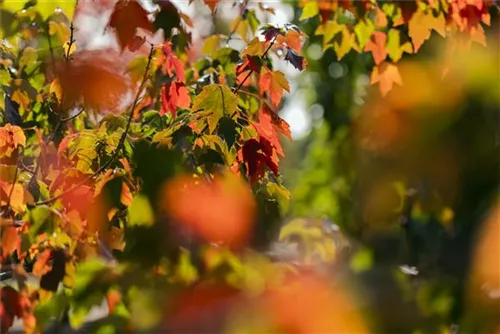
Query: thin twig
{"points": [[251, 70], [74, 116], [120, 143]]}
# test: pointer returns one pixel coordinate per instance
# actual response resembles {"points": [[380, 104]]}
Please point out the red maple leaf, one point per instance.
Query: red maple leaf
{"points": [[174, 95], [257, 155], [169, 62], [127, 16], [270, 125]]}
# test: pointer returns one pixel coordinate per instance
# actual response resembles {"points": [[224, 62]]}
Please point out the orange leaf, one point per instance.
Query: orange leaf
{"points": [[386, 74], [169, 62], [11, 136], [97, 77], [174, 95], [126, 197], [126, 18], [220, 210], [269, 126], [113, 298], [42, 265], [377, 46], [10, 241], [421, 24], [273, 82], [212, 4]]}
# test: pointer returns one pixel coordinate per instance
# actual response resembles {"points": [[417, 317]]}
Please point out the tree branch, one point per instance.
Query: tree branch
{"points": [[120, 143]]}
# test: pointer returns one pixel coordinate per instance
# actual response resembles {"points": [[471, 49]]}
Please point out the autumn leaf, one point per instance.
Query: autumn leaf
{"points": [[42, 264], [257, 155], [127, 17], [169, 62], [346, 43], [174, 95], [9, 307], [97, 77], [421, 24], [270, 125], [297, 61], [292, 39], [273, 83], [377, 46], [10, 241], [394, 47], [11, 136], [215, 101], [220, 210], [364, 30], [386, 74]]}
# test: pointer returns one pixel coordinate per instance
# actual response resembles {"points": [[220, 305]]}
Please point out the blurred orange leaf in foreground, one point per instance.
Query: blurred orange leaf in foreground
{"points": [[219, 210], [97, 77], [308, 304]]}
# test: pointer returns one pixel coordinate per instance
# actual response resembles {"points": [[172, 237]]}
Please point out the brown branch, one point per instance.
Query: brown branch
{"points": [[251, 71], [120, 143]]}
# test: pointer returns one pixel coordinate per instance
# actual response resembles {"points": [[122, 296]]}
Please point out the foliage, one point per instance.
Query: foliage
{"points": [[148, 175]]}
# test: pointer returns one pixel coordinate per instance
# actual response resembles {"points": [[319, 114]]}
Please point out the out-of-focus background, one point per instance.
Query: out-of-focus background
{"points": [[406, 183]]}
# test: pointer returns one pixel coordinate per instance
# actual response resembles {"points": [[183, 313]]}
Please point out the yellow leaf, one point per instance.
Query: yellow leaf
{"points": [[55, 88], [345, 45], [212, 44], [421, 24], [386, 74], [21, 98], [254, 48], [60, 30], [309, 10], [394, 47]]}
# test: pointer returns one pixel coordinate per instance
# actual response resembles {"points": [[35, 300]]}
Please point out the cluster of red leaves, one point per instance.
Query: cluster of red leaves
{"points": [[174, 94], [16, 305]]}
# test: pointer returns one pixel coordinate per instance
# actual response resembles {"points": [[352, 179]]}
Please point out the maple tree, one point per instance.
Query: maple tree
{"points": [[160, 161]]}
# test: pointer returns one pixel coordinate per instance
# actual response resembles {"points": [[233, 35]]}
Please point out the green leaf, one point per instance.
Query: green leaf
{"points": [[4, 77], [43, 219], [140, 212], [215, 101]]}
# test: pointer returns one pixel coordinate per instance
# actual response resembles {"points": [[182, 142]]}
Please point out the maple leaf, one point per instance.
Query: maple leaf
{"points": [[215, 101], [169, 62], [257, 155], [292, 39], [10, 241], [386, 74], [270, 31], [297, 61], [377, 46], [421, 24], [394, 47], [174, 95], [11, 136], [126, 18], [270, 125], [273, 82], [221, 210], [42, 264]]}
